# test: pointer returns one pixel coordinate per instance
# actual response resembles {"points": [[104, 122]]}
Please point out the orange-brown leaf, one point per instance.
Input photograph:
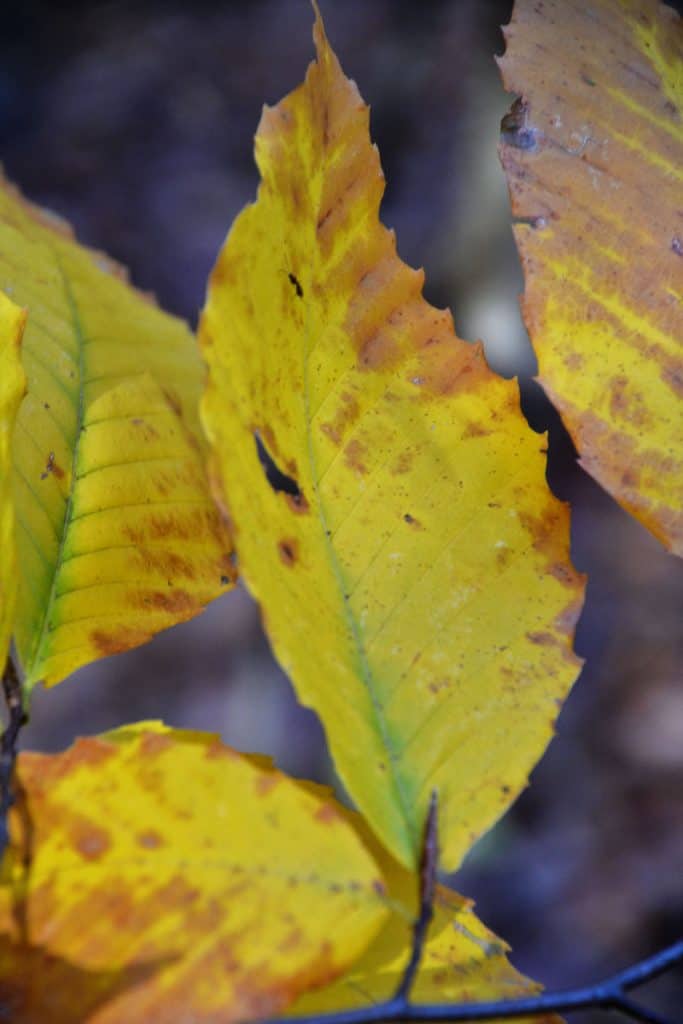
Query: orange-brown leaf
{"points": [[593, 151], [157, 875]]}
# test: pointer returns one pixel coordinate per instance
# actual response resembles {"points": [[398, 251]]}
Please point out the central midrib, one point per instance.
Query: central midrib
{"points": [[364, 670], [37, 650]]}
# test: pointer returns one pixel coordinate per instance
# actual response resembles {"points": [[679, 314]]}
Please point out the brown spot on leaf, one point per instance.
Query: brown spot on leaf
{"points": [[503, 556], [448, 368], [288, 549], [150, 839], [117, 639], [542, 639], [327, 814], [353, 456], [345, 416], [297, 503], [166, 563], [291, 940], [403, 462], [146, 432], [474, 429], [89, 839], [153, 743], [52, 467], [294, 281], [91, 751], [437, 685], [377, 352], [267, 782], [215, 749], [619, 398], [673, 376], [176, 602], [574, 361]]}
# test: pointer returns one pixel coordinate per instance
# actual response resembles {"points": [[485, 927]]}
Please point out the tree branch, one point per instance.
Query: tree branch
{"points": [[17, 717]]}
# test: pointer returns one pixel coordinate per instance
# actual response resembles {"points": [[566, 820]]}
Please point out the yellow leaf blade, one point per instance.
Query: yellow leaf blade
{"points": [[389, 502], [118, 536], [172, 878], [593, 154], [12, 387]]}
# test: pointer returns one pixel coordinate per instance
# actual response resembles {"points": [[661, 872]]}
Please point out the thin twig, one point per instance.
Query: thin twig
{"points": [[429, 863], [17, 717]]}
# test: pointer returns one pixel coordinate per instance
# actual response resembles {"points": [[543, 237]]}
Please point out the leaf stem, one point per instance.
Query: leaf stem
{"points": [[429, 863], [17, 718]]}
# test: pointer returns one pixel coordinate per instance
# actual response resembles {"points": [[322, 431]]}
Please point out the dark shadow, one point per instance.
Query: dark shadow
{"points": [[37, 987]]}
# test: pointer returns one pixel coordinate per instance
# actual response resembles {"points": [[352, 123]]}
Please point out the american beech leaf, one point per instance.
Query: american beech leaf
{"points": [[159, 875], [117, 533], [12, 387], [462, 960], [593, 152], [388, 501]]}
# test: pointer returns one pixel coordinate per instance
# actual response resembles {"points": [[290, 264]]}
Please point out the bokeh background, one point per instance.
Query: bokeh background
{"points": [[135, 121]]}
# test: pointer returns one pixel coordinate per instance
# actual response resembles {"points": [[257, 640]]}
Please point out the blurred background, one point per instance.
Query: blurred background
{"points": [[135, 121]]}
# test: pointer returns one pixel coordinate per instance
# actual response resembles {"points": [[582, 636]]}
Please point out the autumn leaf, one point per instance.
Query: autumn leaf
{"points": [[462, 960], [388, 501], [159, 875], [12, 387], [117, 534], [593, 152]]}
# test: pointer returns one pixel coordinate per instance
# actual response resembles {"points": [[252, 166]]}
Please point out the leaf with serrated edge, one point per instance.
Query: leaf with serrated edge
{"points": [[593, 153], [117, 533], [159, 875], [411, 564], [12, 387]]}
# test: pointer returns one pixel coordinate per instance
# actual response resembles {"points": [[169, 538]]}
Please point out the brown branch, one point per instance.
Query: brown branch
{"points": [[17, 717]]}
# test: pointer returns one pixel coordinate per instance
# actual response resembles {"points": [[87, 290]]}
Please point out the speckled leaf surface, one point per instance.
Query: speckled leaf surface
{"points": [[12, 386], [593, 152], [159, 875], [117, 534], [388, 500]]}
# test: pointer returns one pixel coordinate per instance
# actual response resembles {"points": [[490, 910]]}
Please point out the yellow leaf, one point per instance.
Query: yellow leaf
{"points": [[157, 875], [117, 534], [12, 387], [593, 153], [462, 960], [410, 561]]}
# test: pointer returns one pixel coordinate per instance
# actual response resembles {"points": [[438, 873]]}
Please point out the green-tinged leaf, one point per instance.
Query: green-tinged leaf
{"points": [[117, 534]]}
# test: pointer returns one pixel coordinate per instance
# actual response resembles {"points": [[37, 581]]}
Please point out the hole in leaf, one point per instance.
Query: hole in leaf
{"points": [[297, 287], [278, 480]]}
